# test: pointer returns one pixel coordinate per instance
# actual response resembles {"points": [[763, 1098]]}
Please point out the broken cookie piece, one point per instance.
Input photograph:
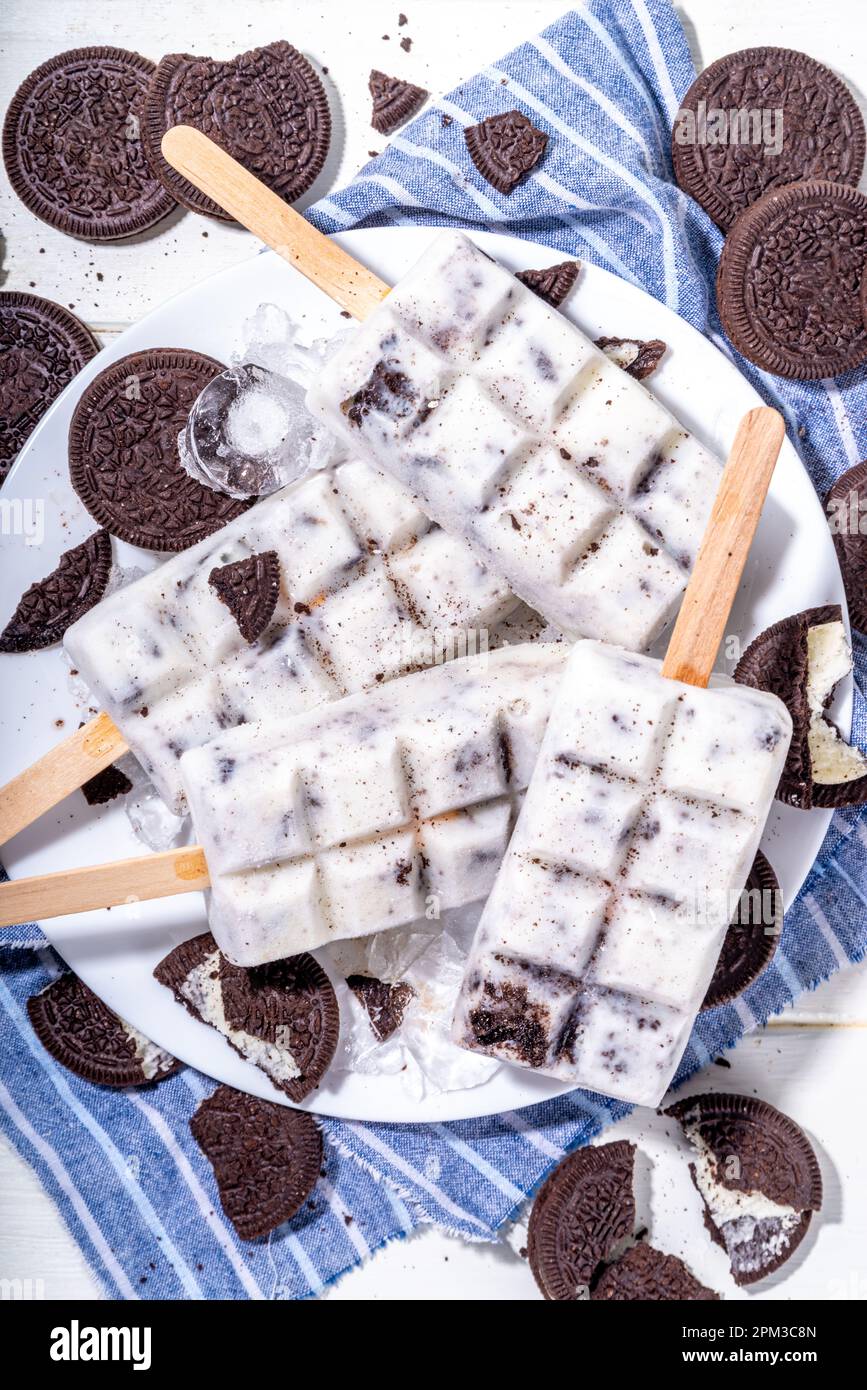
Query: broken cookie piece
{"points": [[758, 1177], [644, 1274], [282, 1017], [385, 1003], [640, 357], [802, 659], [87, 1038]]}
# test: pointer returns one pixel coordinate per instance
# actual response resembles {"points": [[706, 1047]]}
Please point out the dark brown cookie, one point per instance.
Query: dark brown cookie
{"points": [[42, 347], [777, 660], [752, 937], [789, 281], [504, 148], [123, 451], [394, 101], [72, 146], [553, 284], [846, 516], [385, 1004], [819, 134], [639, 357], [646, 1275], [88, 1039], [266, 1158], [54, 603], [250, 589], [289, 1004], [584, 1208], [266, 108], [106, 786], [744, 1145]]}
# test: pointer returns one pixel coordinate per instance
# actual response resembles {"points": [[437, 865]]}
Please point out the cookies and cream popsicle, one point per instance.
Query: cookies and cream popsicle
{"points": [[515, 433], [644, 813], [364, 582], [371, 812]]}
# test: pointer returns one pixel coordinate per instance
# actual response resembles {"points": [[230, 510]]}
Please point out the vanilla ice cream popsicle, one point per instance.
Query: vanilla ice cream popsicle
{"points": [[597, 944], [372, 811], [644, 814], [515, 433], [365, 583]]}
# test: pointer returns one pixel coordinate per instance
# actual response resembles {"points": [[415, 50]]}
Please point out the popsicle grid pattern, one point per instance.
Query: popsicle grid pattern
{"points": [[604, 81], [517, 434], [368, 589], [297, 858], [597, 944]]}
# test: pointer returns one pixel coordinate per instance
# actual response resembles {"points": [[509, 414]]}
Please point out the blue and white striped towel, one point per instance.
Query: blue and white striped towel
{"points": [[604, 81]]}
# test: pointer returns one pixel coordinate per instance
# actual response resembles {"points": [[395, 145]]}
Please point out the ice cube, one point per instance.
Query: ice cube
{"points": [[249, 432]]}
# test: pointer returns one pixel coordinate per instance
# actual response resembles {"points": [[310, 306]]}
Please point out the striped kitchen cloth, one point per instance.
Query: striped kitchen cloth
{"points": [[604, 81]]}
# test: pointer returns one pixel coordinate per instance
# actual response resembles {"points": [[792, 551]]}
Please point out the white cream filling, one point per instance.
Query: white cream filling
{"points": [[828, 661], [154, 1061], [203, 990], [736, 1213]]}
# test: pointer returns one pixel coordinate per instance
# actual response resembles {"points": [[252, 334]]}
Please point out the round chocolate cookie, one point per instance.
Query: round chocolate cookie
{"points": [[266, 1158], [42, 347], [790, 117], [266, 108], [846, 516], [72, 147], [123, 451], [88, 1039], [752, 937], [54, 603], [581, 1211], [789, 281], [744, 1146], [643, 1274], [290, 1005]]}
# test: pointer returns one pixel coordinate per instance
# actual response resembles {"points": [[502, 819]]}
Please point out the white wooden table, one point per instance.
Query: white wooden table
{"points": [[812, 1062]]}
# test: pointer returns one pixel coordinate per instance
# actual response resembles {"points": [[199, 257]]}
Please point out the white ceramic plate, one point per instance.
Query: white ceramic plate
{"points": [[792, 566]]}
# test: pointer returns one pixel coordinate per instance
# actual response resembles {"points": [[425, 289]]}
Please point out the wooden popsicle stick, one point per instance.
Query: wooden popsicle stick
{"points": [[722, 555], [103, 885], [58, 773], [244, 197], [322, 261]]}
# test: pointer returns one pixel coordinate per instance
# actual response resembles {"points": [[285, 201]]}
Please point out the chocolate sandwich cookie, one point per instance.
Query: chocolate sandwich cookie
{"points": [[282, 1017], [83, 1035], [846, 517], [758, 1177], [504, 148], [759, 119], [554, 283], [250, 589], [644, 1274], [42, 347], [72, 146], [639, 357], [123, 451], [267, 108], [385, 1003], [752, 937], [266, 1158], [394, 101], [106, 786], [788, 660], [54, 603], [789, 281], [582, 1211]]}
